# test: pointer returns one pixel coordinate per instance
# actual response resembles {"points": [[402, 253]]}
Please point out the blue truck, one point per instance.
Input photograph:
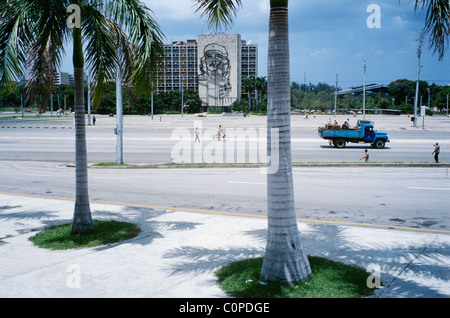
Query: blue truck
{"points": [[363, 132]]}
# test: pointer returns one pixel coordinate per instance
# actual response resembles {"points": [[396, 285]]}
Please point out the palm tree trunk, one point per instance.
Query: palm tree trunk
{"points": [[82, 219], [285, 259]]}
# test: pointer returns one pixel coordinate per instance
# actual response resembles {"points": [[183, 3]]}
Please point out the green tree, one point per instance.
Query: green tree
{"points": [[439, 99], [193, 101], [256, 85], [260, 87], [10, 98], [248, 85], [39, 29], [403, 90], [296, 95]]}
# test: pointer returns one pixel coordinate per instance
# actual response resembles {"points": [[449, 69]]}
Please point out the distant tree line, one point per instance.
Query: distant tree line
{"points": [[132, 102], [403, 92], [399, 96], [319, 97], [140, 104]]}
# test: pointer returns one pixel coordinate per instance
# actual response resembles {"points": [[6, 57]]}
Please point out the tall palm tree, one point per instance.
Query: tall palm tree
{"points": [[32, 38], [261, 86], [248, 86], [437, 23], [285, 259]]}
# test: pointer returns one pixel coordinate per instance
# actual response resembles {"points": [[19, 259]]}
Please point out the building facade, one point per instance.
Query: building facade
{"points": [[62, 78], [212, 65]]}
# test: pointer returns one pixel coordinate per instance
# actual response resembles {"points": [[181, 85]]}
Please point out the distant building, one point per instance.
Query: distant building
{"points": [[212, 65], [220, 65], [60, 78], [180, 67], [376, 88], [249, 59]]}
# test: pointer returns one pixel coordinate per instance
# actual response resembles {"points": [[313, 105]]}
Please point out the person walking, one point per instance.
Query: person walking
{"points": [[437, 150], [220, 132], [94, 120], [366, 156], [197, 134]]}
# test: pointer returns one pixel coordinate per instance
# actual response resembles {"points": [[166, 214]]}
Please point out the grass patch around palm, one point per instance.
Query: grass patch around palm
{"points": [[105, 232], [329, 279]]}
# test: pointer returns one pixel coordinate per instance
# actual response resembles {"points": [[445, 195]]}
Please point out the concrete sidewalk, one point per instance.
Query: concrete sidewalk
{"points": [[177, 253]]}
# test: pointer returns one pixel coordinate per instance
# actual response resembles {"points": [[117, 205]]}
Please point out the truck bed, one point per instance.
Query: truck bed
{"points": [[329, 132]]}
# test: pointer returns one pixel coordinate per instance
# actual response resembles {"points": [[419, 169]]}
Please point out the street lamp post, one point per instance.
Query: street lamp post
{"points": [[423, 118], [364, 92], [447, 105], [89, 100], [21, 103], [182, 95], [152, 103], [419, 52], [335, 95]]}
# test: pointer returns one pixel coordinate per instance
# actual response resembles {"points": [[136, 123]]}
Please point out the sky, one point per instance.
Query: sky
{"points": [[327, 37]]}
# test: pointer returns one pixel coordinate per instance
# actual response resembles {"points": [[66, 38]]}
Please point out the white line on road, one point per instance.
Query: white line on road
{"points": [[245, 182], [428, 188], [109, 178]]}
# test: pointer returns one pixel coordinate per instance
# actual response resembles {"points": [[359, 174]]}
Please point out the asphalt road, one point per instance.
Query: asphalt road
{"points": [[413, 198], [169, 140], [33, 158]]}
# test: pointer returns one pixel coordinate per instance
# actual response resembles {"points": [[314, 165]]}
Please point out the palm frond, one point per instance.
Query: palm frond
{"points": [[145, 37], [437, 23], [100, 50], [45, 53], [149, 63], [218, 13], [124, 51], [15, 36]]}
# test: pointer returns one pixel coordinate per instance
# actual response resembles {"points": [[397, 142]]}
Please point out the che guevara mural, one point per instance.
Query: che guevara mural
{"points": [[215, 65], [219, 69]]}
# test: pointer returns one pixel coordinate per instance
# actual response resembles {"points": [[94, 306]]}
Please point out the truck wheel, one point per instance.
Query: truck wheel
{"points": [[379, 144], [339, 143]]}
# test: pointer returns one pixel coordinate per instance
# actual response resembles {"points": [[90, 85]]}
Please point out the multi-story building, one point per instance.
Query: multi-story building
{"points": [[213, 65], [180, 67], [249, 59], [60, 78]]}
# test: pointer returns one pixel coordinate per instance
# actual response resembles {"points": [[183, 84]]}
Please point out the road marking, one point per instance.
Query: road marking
{"points": [[245, 182], [234, 213], [38, 175], [428, 188], [109, 178]]}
